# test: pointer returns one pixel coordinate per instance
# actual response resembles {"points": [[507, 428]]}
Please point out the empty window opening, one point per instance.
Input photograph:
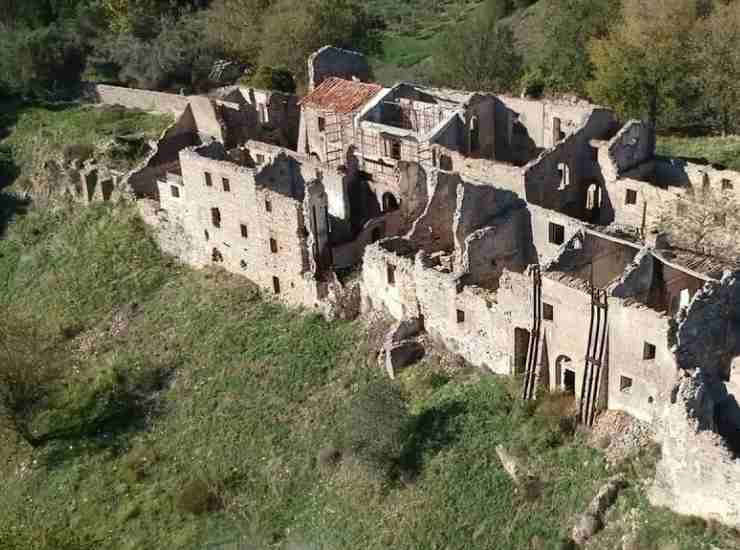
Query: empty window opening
{"points": [[273, 246], [175, 191], [556, 233], [650, 400], [216, 217], [445, 162], [243, 229], [548, 312], [720, 218], [726, 184], [564, 175], [648, 351], [625, 384], [389, 202], [268, 206], [460, 316], [521, 347], [264, 118], [376, 235], [630, 197], [260, 158], [226, 184], [705, 181], [322, 124], [242, 264], [557, 133], [395, 149], [569, 381], [474, 135], [391, 274], [276, 285], [209, 181], [205, 234], [216, 256]]}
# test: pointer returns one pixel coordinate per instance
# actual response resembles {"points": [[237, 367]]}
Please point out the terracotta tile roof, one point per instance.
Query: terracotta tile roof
{"points": [[341, 96]]}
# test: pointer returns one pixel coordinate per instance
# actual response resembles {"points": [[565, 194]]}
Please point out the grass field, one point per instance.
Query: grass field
{"points": [[716, 150], [193, 410]]}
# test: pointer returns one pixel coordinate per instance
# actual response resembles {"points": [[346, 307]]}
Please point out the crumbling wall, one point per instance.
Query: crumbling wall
{"points": [[145, 100], [650, 378], [697, 474], [633, 145], [433, 230], [497, 174], [540, 220], [331, 61], [388, 278], [350, 253]]}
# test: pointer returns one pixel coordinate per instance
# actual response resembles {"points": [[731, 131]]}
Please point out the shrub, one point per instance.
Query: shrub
{"points": [[78, 151], [375, 423], [273, 78], [197, 498]]}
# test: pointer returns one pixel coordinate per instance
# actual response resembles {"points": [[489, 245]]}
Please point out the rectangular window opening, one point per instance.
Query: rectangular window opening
{"points": [[726, 184], [216, 217], [226, 184], [276, 285], [548, 312], [243, 229], [460, 316], [625, 384], [395, 149], [556, 233], [273, 246], [391, 274], [648, 351], [209, 181], [631, 197], [268, 206], [175, 191], [322, 124]]}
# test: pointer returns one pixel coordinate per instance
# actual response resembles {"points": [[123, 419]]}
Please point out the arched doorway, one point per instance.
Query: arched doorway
{"points": [[565, 374], [389, 202]]}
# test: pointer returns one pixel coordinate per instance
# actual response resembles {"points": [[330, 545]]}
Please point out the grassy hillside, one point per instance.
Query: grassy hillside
{"points": [[716, 150], [37, 132], [191, 410]]}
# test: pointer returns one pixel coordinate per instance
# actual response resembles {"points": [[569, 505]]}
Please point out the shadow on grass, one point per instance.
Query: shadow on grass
{"points": [[430, 432], [11, 206]]}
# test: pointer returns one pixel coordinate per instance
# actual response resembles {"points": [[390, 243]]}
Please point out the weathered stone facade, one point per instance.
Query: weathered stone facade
{"points": [[519, 234]]}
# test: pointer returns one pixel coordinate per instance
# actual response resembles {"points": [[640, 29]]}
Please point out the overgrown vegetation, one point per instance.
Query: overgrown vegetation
{"points": [[189, 409]]}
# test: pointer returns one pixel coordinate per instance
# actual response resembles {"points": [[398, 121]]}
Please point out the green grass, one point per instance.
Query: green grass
{"points": [[42, 131], [716, 150], [234, 398]]}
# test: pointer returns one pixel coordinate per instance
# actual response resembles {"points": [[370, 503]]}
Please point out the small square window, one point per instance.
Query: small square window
{"points": [[391, 274], [243, 229], [175, 191], [216, 256], [260, 158], [648, 351], [726, 184], [276, 285], [625, 384], [268, 206], [460, 316], [273, 246], [226, 184], [396, 149], [720, 218], [209, 180], [631, 197], [556, 233], [322, 124], [548, 312], [216, 217]]}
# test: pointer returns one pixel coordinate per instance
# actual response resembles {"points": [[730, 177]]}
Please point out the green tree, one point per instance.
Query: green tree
{"points": [[273, 78], [717, 45], [292, 32], [234, 27], [571, 25], [479, 54], [640, 68]]}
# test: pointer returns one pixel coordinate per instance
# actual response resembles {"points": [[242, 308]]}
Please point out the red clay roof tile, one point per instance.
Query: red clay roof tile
{"points": [[341, 96]]}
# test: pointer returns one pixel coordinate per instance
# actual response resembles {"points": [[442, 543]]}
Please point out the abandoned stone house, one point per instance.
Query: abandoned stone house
{"points": [[522, 234]]}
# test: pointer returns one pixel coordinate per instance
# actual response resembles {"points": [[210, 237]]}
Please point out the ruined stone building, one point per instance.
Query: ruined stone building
{"points": [[524, 235]]}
